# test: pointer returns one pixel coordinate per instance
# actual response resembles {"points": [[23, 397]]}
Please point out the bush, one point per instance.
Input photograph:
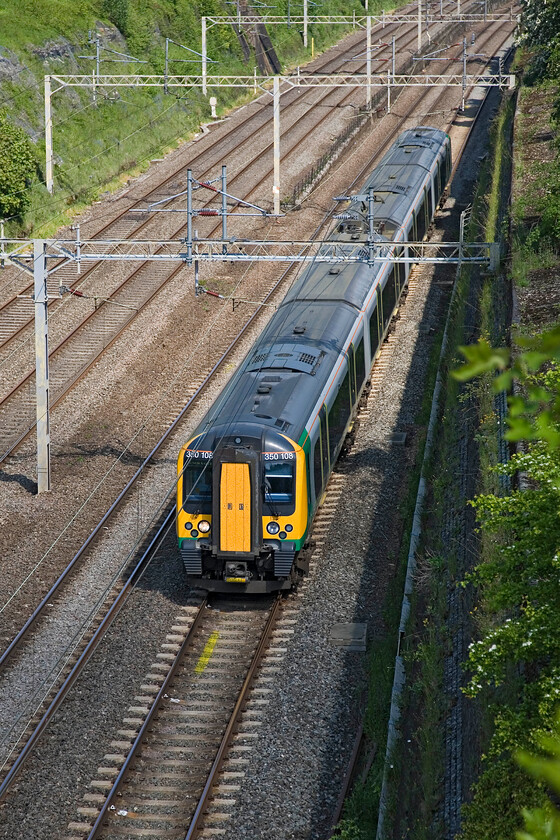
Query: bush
{"points": [[500, 794], [17, 168]]}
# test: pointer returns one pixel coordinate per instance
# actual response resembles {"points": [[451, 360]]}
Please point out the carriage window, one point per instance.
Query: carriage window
{"points": [[278, 481], [317, 471], [339, 414], [197, 480], [389, 297], [420, 219], [352, 369], [360, 364], [373, 333]]}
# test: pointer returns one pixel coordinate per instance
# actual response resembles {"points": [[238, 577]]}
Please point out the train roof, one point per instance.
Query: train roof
{"points": [[343, 282], [420, 145], [400, 173], [287, 369]]}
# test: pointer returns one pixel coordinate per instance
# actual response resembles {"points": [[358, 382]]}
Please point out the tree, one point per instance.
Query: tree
{"points": [[543, 823], [536, 415], [117, 12], [540, 23], [17, 168]]}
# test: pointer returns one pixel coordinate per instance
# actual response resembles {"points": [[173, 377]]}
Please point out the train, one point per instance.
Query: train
{"points": [[252, 476]]}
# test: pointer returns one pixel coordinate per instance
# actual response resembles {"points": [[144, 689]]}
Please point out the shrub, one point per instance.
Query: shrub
{"points": [[500, 794], [17, 167]]}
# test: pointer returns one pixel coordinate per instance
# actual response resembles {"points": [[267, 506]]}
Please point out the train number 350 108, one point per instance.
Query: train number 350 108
{"points": [[279, 456]]}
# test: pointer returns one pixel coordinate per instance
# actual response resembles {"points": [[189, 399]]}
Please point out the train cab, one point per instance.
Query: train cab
{"points": [[242, 508]]}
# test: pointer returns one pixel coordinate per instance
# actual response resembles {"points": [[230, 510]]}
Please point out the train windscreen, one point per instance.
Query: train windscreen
{"points": [[279, 482], [197, 480]]}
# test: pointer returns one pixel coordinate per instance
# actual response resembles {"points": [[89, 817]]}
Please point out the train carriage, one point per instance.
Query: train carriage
{"points": [[253, 475]]}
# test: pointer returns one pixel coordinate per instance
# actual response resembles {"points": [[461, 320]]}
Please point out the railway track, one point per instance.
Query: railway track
{"points": [[82, 557], [183, 776], [132, 222], [331, 503], [193, 725], [97, 329]]}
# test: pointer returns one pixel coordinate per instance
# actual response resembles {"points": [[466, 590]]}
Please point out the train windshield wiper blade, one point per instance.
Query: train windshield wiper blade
{"points": [[268, 497]]}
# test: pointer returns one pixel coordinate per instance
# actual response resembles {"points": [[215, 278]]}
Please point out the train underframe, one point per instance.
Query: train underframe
{"points": [[272, 569]]}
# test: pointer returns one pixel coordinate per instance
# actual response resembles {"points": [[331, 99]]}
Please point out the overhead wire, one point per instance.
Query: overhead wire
{"points": [[139, 431]]}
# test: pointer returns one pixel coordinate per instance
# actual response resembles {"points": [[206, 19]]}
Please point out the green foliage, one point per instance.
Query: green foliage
{"points": [[347, 830], [521, 587], [94, 144], [500, 794], [535, 416], [17, 167], [515, 665], [540, 22], [540, 825], [540, 30], [543, 823], [117, 12]]}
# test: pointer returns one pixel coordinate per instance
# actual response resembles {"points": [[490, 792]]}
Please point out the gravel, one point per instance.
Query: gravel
{"points": [[304, 744]]}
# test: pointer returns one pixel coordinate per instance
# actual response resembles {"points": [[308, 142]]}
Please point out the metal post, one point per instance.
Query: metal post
{"points": [[462, 223], [305, 23], [276, 128], [204, 58], [48, 135], [189, 216], [368, 61], [391, 79], [419, 25], [388, 93], [78, 252], [196, 283], [464, 82], [371, 208], [42, 366], [166, 65], [224, 209], [458, 8], [96, 71]]}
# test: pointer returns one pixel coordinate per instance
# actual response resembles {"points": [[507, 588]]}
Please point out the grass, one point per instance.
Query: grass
{"points": [[438, 567], [361, 808], [97, 147]]}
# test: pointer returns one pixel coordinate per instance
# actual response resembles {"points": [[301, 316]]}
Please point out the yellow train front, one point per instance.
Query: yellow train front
{"points": [[242, 509]]}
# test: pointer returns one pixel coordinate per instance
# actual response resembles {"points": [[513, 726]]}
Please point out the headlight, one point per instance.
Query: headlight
{"points": [[288, 527], [203, 526], [273, 527]]}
